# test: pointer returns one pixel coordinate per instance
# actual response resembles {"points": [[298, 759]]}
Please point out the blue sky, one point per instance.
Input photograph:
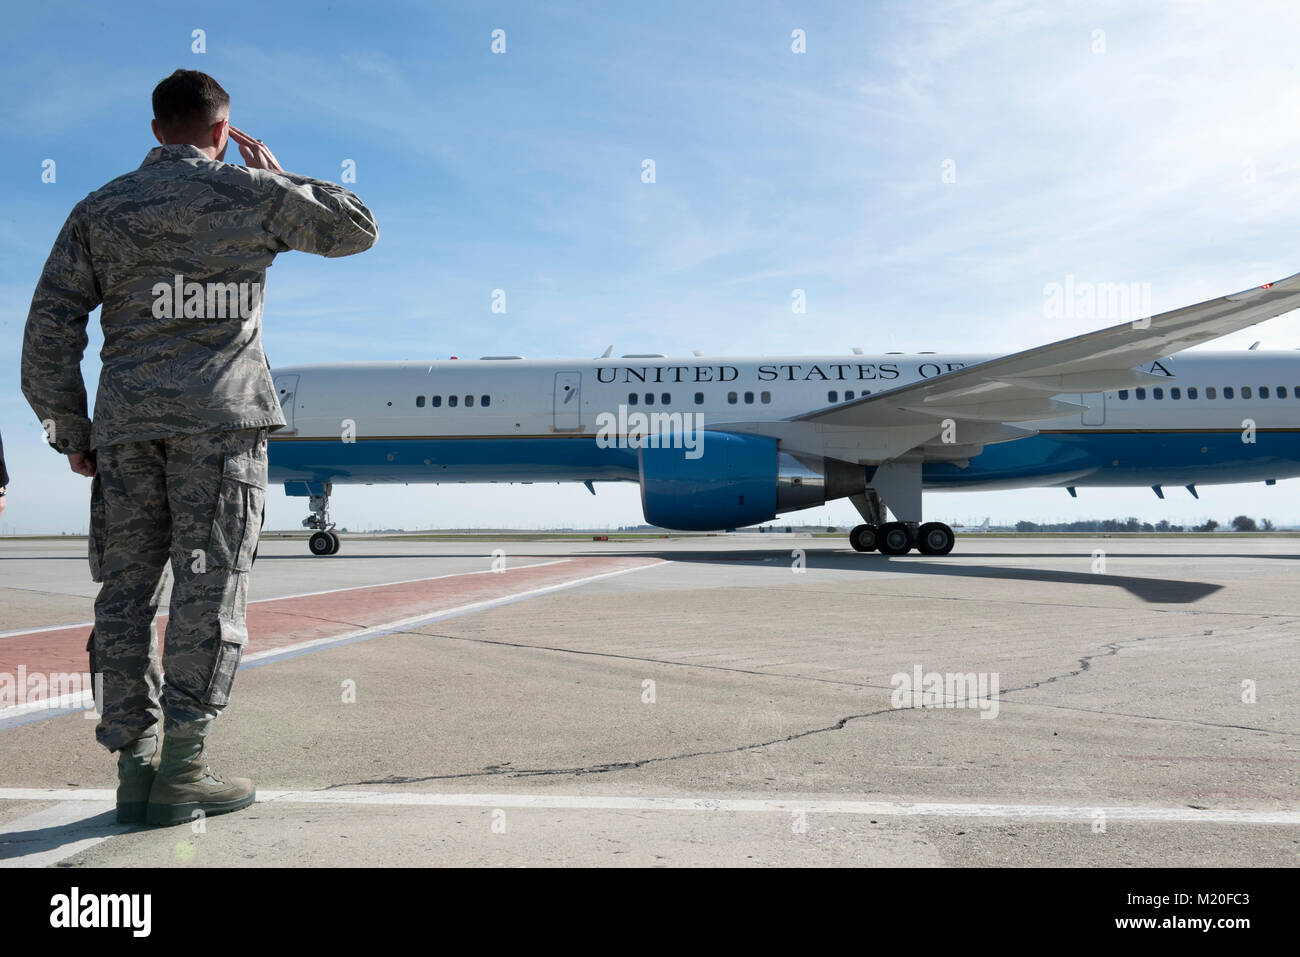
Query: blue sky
{"points": [[1169, 156]]}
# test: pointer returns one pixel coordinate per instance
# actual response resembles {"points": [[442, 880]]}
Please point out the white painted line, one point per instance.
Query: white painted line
{"points": [[74, 701], [58, 794], [85, 700], [285, 651], [410, 581], [307, 594], [726, 805], [769, 805], [59, 831], [31, 631]]}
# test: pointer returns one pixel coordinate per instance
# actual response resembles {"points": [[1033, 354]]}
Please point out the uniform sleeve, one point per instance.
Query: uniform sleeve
{"points": [[55, 338], [314, 216]]}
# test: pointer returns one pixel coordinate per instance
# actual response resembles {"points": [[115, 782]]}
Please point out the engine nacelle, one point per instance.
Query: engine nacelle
{"points": [[730, 482], [734, 480]]}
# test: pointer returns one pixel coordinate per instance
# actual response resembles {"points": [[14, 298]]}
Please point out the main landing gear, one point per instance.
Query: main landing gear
{"points": [[896, 538], [325, 541], [899, 538]]}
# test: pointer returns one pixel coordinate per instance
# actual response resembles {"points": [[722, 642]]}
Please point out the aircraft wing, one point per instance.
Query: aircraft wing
{"points": [[1022, 387]]}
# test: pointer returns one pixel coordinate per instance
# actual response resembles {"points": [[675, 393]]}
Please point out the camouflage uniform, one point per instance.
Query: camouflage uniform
{"points": [[182, 412]]}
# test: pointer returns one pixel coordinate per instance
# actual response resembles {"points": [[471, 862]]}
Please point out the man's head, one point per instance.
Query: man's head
{"points": [[191, 107]]}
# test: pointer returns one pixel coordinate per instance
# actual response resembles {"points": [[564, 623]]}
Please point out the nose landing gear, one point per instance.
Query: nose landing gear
{"points": [[324, 543], [326, 540]]}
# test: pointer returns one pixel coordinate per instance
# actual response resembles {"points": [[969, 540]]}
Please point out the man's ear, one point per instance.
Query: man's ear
{"points": [[153, 125], [220, 130]]}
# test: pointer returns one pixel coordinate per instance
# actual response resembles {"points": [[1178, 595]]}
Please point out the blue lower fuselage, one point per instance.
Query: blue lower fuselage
{"points": [[1091, 457]]}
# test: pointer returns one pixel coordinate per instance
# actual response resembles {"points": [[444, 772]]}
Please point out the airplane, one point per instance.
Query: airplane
{"points": [[972, 529], [720, 443]]}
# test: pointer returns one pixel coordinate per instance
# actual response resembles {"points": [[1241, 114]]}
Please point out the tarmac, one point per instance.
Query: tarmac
{"points": [[742, 699]]}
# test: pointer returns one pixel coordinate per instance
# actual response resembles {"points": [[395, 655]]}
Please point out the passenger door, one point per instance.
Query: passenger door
{"points": [[1095, 414], [568, 401], [286, 390]]}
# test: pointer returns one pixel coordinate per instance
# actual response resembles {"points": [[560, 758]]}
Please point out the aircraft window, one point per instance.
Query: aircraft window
{"points": [[1281, 392], [469, 401], [832, 396], [631, 398], [1227, 392], [749, 398], [731, 398], [1123, 393], [1245, 392], [848, 395], [1211, 392], [1263, 392], [649, 398], [665, 398], [1191, 392], [435, 400], [485, 400], [419, 402], [699, 398], [1139, 393], [765, 397], [451, 401], [1175, 392], [866, 392], [1157, 393]]}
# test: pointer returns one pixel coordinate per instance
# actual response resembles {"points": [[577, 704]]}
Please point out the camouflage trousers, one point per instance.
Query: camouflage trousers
{"points": [[195, 502]]}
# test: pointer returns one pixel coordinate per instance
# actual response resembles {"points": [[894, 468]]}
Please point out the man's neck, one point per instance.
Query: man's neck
{"points": [[207, 151]]}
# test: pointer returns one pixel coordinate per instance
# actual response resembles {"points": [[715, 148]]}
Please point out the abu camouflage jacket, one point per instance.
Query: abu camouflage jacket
{"points": [[176, 252]]}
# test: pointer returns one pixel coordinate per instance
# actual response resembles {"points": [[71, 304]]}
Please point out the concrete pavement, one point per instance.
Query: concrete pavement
{"points": [[622, 703]]}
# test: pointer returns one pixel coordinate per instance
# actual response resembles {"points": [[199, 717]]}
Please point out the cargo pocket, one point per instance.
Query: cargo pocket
{"points": [[98, 536], [240, 507], [223, 673], [260, 526]]}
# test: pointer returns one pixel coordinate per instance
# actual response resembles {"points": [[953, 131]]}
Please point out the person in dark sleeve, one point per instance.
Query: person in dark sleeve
{"points": [[176, 252]]}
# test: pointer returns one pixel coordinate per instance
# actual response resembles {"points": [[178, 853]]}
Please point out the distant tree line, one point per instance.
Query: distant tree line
{"points": [[1242, 523]]}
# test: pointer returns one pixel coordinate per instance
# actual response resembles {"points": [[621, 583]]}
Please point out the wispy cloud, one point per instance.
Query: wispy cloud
{"points": [[1168, 157]]}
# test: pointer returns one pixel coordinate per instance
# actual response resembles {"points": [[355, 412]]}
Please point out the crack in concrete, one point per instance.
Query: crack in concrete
{"points": [[643, 659], [1108, 650], [505, 770], [1085, 664]]}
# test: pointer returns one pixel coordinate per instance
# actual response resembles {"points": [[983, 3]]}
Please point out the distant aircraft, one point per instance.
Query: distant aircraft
{"points": [[972, 529], [720, 443]]}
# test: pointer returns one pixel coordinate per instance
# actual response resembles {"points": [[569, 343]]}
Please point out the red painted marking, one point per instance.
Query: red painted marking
{"points": [[286, 621]]}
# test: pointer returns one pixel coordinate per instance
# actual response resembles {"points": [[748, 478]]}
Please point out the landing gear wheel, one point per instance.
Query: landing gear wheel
{"points": [[324, 541], [864, 538], [895, 538], [935, 538]]}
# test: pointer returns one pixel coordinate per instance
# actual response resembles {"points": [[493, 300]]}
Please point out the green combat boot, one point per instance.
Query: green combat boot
{"points": [[185, 784], [135, 774]]}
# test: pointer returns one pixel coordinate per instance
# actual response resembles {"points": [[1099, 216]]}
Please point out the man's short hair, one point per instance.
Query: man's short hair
{"points": [[187, 103]]}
